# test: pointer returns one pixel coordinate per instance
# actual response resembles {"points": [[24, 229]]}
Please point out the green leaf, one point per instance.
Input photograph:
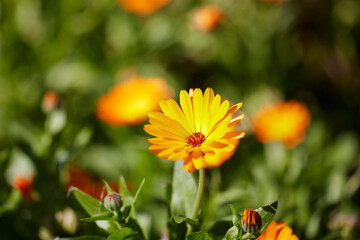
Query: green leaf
{"points": [[180, 219], [232, 233], [125, 193], [236, 218], [91, 205], [94, 208], [135, 199], [12, 201], [198, 236], [86, 237], [184, 191], [267, 214], [105, 216], [124, 233], [108, 188]]}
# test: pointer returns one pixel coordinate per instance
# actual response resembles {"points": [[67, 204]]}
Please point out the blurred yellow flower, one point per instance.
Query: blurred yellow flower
{"points": [[201, 132], [142, 7], [278, 231], [282, 121], [129, 102], [207, 18]]}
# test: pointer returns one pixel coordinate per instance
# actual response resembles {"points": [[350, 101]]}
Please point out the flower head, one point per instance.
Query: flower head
{"points": [[282, 121], [113, 202], [129, 102], [278, 231], [207, 18], [50, 101], [201, 131], [251, 220], [24, 185], [142, 7]]}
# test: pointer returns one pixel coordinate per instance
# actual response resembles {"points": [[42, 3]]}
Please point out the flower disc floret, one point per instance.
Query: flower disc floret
{"points": [[201, 130]]}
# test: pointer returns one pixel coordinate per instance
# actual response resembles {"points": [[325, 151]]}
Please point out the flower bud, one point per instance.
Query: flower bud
{"points": [[113, 202], [251, 221]]}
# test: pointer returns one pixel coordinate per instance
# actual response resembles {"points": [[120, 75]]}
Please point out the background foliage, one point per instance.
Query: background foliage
{"points": [[303, 50]]}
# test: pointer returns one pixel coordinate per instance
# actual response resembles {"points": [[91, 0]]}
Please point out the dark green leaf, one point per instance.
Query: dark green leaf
{"points": [[179, 219], [267, 214], [198, 236], [94, 208], [105, 216], [124, 233], [184, 191]]}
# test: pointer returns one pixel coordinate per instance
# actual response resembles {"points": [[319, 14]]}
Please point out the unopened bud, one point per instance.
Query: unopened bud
{"points": [[251, 221], [113, 202]]}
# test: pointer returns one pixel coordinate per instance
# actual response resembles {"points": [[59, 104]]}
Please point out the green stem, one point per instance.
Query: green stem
{"points": [[199, 196]]}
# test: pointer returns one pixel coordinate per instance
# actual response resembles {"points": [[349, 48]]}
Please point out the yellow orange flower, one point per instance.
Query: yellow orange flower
{"points": [[207, 18], [142, 7], [251, 220], [201, 131], [282, 121], [278, 231], [129, 102], [24, 185]]}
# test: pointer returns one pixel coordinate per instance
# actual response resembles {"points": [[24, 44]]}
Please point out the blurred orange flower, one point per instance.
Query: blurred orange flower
{"points": [[278, 231], [282, 121], [50, 100], [86, 182], [24, 185], [129, 102], [201, 132], [207, 18], [142, 7]]}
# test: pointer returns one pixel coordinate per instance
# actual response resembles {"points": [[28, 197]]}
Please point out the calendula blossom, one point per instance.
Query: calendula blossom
{"points": [[201, 130], [282, 121], [278, 231]]}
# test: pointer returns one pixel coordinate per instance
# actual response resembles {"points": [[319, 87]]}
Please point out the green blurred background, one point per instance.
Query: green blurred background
{"points": [[303, 50]]}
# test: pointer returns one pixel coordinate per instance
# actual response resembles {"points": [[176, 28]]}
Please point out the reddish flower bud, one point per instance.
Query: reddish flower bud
{"points": [[251, 221]]}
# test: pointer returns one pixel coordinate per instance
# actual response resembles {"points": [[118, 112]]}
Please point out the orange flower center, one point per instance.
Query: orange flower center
{"points": [[196, 139]]}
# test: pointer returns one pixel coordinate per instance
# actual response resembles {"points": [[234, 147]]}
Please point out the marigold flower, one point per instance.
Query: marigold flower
{"points": [[50, 101], [129, 102], [251, 220], [278, 231], [142, 7], [201, 132], [207, 18], [282, 121], [24, 185]]}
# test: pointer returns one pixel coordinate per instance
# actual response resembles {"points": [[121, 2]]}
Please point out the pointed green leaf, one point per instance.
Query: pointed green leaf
{"points": [[267, 214], [180, 218], [105, 216], [135, 199], [184, 191], [108, 188], [93, 207], [124, 234], [198, 236]]}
